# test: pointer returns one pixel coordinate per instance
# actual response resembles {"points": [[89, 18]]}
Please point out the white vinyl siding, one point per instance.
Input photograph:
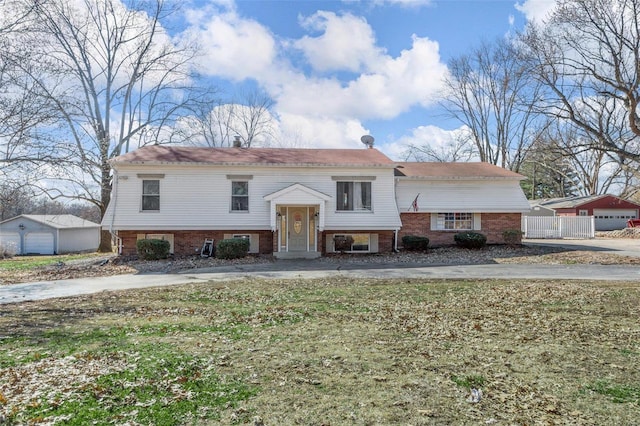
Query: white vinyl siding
{"points": [[487, 196], [78, 239], [197, 197]]}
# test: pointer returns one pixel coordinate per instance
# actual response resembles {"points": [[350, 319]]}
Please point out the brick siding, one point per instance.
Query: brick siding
{"points": [[190, 242], [492, 226]]}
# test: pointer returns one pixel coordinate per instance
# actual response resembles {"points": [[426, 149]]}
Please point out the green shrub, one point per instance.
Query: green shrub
{"points": [[7, 250], [342, 242], [512, 237], [232, 248], [415, 242], [153, 249], [470, 240]]}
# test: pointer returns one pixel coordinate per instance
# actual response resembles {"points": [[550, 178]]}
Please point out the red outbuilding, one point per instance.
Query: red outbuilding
{"points": [[610, 212]]}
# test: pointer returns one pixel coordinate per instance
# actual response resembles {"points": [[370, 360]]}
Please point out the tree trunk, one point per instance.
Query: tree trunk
{"points": [[105, 197]]}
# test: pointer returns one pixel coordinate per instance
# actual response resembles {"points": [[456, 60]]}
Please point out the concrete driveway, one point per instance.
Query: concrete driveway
{"points": [[621, 246], [289, 269]]}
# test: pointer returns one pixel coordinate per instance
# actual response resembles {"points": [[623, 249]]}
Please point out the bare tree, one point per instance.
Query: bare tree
{"points": [[253, 120], [491, 92], [15, 199], [209, 123], [216, 122], [21, 110], [586, 55], [548, 171], [458, 149], [596, 171], [115, 81]]}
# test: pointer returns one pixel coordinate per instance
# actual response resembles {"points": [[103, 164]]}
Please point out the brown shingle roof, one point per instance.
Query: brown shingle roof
{"points": [[258, 156], [437, 170]]}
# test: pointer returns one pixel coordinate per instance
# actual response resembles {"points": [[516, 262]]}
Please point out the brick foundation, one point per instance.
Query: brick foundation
{"points": [[190, 242], [492, 226]]}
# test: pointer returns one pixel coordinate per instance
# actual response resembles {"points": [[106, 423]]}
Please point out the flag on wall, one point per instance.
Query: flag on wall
{"points": [[414, 205]]}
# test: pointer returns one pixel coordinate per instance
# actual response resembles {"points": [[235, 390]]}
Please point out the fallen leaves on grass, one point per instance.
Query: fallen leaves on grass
{"points": [[367, 351]]}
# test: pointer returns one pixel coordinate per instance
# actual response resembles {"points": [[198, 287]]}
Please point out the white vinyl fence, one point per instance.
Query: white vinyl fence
{"points": [[558, 226]]}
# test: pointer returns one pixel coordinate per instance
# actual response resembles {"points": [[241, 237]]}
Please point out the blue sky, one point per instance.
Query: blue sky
{"points": [[339, 69]]}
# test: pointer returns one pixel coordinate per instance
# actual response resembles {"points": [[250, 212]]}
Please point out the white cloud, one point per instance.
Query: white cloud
{"points": [[392, 86], [441, 142], [404, 3], [326, 110], [347, 42], [536, 10], [232, 47], [320, 132]]}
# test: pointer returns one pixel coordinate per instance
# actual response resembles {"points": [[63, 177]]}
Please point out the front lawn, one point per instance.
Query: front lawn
{"points": [[328, 351], [25, 263]]}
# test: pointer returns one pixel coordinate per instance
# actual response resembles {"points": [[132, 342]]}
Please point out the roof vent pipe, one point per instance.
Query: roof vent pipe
{"points": [[237, 143]]}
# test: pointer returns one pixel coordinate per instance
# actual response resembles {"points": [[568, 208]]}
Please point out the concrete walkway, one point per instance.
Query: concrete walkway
{"points": [[620, 246], [288, 269]]}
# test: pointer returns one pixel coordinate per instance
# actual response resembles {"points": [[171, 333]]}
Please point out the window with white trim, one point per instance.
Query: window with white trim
{"points": [[240, 196], [352, 242], [353, 196], [150, 195], [455, 221]]}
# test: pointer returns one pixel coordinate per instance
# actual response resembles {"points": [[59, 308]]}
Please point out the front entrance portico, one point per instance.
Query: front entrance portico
{"points": [[297, 216]]}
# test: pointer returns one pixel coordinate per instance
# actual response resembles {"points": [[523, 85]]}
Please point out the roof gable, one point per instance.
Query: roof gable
{"points": [[298, 191]]}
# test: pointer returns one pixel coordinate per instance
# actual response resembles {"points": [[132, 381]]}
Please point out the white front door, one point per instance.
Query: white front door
{"points": [[298, 228]]}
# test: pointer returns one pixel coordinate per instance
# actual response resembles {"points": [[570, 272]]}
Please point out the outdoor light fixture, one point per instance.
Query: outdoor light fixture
{"points": [[21, 226]]}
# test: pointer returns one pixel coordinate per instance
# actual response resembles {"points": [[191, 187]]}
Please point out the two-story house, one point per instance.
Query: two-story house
{"points": [[290, 202]]}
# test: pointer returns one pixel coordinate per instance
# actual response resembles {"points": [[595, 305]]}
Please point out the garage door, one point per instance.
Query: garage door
{"points": [[611, 219], [11, 241], [38, 243]]}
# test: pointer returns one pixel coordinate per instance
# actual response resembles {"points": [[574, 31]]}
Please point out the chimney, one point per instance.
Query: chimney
{"points": [[237, 143]]}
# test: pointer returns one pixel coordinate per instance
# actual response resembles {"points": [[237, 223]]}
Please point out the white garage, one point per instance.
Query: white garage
{"points": [[50, 234], [611, 219]]}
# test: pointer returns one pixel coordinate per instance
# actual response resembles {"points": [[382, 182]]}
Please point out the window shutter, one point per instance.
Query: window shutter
{"points": [[434, 221], [373, 243], [476, 221]]}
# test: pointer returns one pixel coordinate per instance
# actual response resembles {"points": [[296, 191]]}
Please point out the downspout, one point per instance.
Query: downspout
{"points": [[395, 199], [395, 241]]}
